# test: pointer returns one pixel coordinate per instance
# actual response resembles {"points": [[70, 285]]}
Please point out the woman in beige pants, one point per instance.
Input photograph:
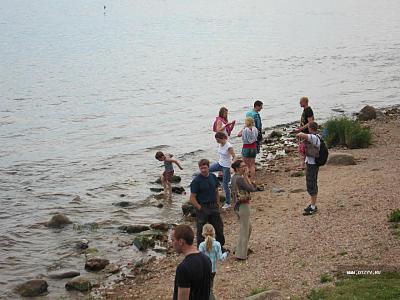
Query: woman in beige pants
{"points": [[241, 187]]}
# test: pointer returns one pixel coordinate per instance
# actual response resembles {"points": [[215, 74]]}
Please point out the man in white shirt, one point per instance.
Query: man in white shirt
{"points": [[313, 143]]}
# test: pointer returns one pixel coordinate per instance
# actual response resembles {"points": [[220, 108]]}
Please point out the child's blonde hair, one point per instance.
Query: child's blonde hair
{"points": [[249, 122], [209, 234]]}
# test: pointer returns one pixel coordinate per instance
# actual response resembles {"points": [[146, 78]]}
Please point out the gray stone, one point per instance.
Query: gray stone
{"points": [[79, 283], [32, 288], [160, 249], [156, 190], [112, 269], [58, 221], [64, 274], [367, 113], [298, 191], [96, 264], [134, 228], [341, 159]]}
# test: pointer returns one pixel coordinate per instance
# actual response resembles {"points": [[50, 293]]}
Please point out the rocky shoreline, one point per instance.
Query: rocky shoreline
{"points": [[278, 162], [283, 184]]}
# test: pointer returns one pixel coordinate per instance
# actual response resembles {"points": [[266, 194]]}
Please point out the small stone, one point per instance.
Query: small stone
{"points": [[160, 226], [188, 209], [112, 268], [160, 249], [123, 204], [367, 113], [297, 174], [178, 190]]}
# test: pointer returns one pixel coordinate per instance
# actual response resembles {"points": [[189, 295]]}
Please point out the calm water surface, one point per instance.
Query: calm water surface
{"points": [[87, 98]]}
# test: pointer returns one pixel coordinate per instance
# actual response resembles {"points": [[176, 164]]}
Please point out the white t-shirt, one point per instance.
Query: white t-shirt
{"points": [[225, 158], [313, 139]]}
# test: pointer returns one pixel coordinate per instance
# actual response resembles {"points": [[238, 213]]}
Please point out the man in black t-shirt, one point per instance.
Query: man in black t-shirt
{"points": [[306, 118], [193, 274], [204, 196]]}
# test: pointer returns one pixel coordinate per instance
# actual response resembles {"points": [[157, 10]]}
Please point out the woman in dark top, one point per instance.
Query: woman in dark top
{"points": [[241, 188]]}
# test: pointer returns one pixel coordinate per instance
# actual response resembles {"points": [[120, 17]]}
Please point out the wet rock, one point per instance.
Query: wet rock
{"points": [[146, 239], [122, 195], [277, 190], [160, 196], [32, 288], [82, 245], [58, 221], [341, 159], [367, 113], [65, 274], [123, 204], [77, 199], [178, 190], [79, 283], [275, 135], [160, 226], [134, 228], [143, 242], [124, 243], [112, 269], [188, 209], [156, 190], [175, 179], [160, 205], [96, 264]]}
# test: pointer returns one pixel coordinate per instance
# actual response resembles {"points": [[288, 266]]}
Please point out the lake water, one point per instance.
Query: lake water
{"points": [[88, 95]]}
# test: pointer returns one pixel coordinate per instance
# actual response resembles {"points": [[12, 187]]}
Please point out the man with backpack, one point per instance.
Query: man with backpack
{"points": [[316, 156]]}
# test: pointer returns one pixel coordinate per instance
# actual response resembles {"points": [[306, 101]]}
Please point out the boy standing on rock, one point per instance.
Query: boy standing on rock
{"points": [[166, 176], [313, 144]]}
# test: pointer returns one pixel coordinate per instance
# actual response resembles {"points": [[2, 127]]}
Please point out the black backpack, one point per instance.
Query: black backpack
{"points": [[323, 153]]}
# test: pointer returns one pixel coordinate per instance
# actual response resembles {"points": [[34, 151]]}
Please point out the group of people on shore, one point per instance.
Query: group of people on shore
{"points": [[195, 274]]}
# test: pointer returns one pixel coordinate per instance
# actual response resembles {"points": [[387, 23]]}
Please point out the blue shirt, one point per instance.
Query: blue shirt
{"points": [[256, 117], [214, 255], [205, 188]]}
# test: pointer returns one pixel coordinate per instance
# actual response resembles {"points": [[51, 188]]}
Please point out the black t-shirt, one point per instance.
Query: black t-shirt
{"points": [[307, 113], [194, 272], [205, 188]]}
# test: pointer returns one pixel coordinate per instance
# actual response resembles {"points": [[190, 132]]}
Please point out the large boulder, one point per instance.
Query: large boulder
{"points": [[79, 283], [32, 288], [58, 221], [341, 159], [367, 113], [134, 228], [64, 274], [188, 209], [96, 264]]}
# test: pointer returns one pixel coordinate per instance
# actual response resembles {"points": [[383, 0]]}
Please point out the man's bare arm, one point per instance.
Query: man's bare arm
{"points": [[183, 293]]}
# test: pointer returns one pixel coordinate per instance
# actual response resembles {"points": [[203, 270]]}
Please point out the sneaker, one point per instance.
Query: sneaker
{"points": [[309, 211], [226, 206]]}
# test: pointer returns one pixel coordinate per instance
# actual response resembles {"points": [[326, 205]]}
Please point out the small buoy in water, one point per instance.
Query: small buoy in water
{"points": [[82, 245]]}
